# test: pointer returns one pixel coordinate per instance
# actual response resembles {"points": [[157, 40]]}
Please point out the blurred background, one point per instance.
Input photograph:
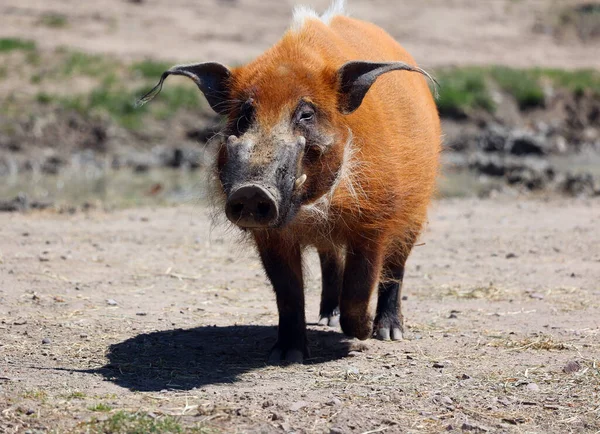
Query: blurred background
{"points": [[519, 95]]}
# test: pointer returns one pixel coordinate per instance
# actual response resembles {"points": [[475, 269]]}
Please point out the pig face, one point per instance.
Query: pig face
{"points": [[273, 163]]}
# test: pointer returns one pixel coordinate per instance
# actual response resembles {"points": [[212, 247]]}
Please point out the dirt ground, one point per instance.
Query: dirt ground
{"points": [[157, 311], [437, 32]]}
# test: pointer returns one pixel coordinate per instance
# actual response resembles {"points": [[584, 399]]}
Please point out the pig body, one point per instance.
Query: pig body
{"points": [[333, 142]]}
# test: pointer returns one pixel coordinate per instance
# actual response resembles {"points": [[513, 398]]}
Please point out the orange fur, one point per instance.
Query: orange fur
{"points": [[394, 135]]}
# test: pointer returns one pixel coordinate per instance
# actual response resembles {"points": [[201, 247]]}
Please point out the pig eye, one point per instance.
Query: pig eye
{"points": [[305, 114]]}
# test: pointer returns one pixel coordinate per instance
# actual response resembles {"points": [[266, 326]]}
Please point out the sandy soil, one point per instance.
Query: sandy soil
{"points": [[155, 311], [437, 32]]}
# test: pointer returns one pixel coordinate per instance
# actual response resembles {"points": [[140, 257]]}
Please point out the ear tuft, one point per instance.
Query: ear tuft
{"points": [[211, 78]]}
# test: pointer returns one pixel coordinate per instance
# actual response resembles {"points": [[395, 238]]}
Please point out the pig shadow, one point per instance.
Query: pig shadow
{"points": [[187, 359]]}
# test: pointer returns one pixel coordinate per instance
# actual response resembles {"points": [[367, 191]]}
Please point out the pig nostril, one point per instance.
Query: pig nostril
{"points": [[263, 208], [236, 208]]}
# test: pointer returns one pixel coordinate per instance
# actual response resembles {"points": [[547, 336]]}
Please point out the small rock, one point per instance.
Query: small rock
{"points": [[536, 295], [335, 402], [141, 313], [46, 341], [513, 420], [533, 387], [111, 302], [476, 428], [336, 430], [354, 354], [510, 256], [439, 365], [505, 401], [464, 377], [571, 367], [83, 335], [298, 405], [266, 404]]}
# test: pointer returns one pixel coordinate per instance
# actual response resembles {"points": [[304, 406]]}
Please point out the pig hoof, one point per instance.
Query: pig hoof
{"points": [[291, 355], [388, 329], [330, 319], [360, 328]]}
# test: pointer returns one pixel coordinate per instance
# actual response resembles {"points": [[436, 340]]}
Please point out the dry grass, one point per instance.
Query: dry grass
{"points": [[542, 342]]}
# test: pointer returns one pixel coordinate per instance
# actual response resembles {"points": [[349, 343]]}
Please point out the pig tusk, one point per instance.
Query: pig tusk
{"points": [[300, 181]]}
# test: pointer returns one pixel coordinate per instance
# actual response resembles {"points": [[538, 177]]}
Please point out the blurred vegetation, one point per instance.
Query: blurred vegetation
{"points": [[467, 89], [463, 90], [10, 44], [150, 69], [133, 423], [96, 84], [54, 20]]}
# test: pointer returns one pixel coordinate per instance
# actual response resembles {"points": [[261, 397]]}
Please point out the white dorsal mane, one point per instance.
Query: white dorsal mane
{"points": [[303, 13]]}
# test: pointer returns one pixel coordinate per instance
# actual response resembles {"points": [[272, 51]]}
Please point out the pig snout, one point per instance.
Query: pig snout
{"points": [[252, 206]]}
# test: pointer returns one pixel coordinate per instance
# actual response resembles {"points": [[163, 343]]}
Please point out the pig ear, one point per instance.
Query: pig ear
{"points": [[211, 78], [356, 78]]}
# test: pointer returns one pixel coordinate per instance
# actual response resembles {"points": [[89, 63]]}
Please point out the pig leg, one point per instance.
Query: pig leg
{"points": [[332, 274], [389, 322], [361, 274], [283, 266]]}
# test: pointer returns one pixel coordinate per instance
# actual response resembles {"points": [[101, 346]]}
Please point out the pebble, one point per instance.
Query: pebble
{"points": [[111, 302], [353, 354], [446, 400], [335, 402], [470, 427], [571, 367], [46, 341], [533, 387], [298, 405], [536, 295]]}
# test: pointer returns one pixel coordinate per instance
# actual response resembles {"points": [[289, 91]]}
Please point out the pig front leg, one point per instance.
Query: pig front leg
{"points": [[361, 274], [283, 265], [332, 275]]}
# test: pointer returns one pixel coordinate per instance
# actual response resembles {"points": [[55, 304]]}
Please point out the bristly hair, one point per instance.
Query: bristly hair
{"points": [[303, 13]]}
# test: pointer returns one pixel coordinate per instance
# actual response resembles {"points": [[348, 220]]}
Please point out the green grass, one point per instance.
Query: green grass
{"points": [[133, 423], [54, 20], [100, 407], [113, 98], [462, 91], [150, 69], [524, 86], [577, 81], [92, 65], [39, 395], [75, 395], [10, 44], [467, 89]]}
